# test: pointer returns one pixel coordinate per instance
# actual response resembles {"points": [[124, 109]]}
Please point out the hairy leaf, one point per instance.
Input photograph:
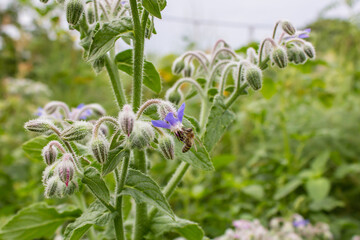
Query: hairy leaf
{"points": [[37, 221], [114, 158], [219, 120], [124, 61], [153, 7], [145, 190], [96, 184]]}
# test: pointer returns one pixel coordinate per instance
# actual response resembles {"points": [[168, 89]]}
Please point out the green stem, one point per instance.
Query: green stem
{"points": [[115, 81], [141, 217], [120, 182], [235, 95]]}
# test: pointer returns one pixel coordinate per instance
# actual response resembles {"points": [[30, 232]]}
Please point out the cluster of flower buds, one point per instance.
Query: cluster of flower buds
{"points": [[76, 131]]}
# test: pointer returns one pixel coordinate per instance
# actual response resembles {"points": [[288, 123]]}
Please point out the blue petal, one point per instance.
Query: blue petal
{"points": [[81, 105], [160, 123], [308, 30], [171, 119], [180, 112]]}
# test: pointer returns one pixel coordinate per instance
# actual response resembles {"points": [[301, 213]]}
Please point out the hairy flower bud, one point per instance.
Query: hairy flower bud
{"points": [[90, 15], [74, 10], [100, 149], [279, 57], [52, 187], [127, 119], [296, 54], [167, 146], [76, 131], [288, 27], [99, 64], [70, 189], [164, 108], [253, 76], [178, 66], [188, 70], [38, 125], [48, 173], [252, 56], [49, 154], [65, 169], [309, 50], [142, 135], [173, 96]]}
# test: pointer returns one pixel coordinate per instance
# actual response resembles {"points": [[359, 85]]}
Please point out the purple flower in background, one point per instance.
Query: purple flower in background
{"points": [[301, 223], [83, 116], [40, 112], [242, 224], [171, 122], [300, 34]]}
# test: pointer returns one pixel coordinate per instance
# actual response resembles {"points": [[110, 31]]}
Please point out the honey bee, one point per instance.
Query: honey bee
{"points": [[187, 136]]}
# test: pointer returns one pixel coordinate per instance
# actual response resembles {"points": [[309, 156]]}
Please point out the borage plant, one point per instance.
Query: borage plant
{"points": [[81, 152]]}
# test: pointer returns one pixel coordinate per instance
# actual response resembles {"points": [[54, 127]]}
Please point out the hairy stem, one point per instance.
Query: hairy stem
{"points": [[236, 94], [115, 81]]}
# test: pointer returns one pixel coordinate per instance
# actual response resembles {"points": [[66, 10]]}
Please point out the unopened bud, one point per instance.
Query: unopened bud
{"points": [[100, 149], [65, 169], [167, 146], [38, 125], [70, 189], [164, 108], [76, 131], [74, 10], [127, 119], [252, 56], [188, 70], [178, 66], [49, 154], [52, 106], [253, 76], [297, 54], [173, 96], [99, 64], [309, 50], [279, 57], [52, 187], [90, 15], [142, 135], [288, 27], [48, 173], [44, 1]]}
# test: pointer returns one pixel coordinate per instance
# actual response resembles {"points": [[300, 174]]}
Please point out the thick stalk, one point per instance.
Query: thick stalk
{"points": [[235, 95], [115, 81]]}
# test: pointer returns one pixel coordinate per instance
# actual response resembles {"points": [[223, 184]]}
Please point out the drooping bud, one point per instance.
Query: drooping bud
{"points": [[52, 187], [279, 57], [70, 189], [188, 70], [164, 108], [296, 54], [167, 146], [309, 50], [38, 125], [76, 131], [65, 169], [99, 64], [49, 154], [173, 96], [142, 135], [288, 27], [127, 119], [100, 149], [253, 76], [252, 56], [44, 1], [48, 173], [178, 66], [52, 106], [90, 15], [74, 10]]}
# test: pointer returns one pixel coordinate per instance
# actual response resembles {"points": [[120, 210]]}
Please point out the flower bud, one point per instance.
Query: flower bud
{"points": [[52, 187], [297, 54], [288, 27], [164, 108], [49, 154], [127, 119], [252, 56], [74, 10], [99, 64], [52, 106], [188, 70], [65, 169], [70, 189], [48, 173], [90, 15], [76, 131], [100, 149], [253, 76], [142, 135], [44, 1], [178, 66], [167, 146], [38, 125], [309, 50], [279, 57], [173, 96]]}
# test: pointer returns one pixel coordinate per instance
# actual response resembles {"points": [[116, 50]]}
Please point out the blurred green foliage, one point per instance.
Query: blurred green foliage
{"points": [[294, 146]]}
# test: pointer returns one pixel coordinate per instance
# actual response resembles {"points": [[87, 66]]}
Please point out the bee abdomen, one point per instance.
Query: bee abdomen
{"points": [[186, 148]]}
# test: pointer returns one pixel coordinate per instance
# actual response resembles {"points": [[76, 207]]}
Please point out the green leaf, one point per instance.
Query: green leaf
{"points": [[145, 190], [124, 62], [187, 229], [287, 188], [37, 221], [114, 158], [33, 147], [96, 214], [320, 161], [318, 189], [194, 122], [96, 184], [219, 120], [212, 91], [255, 191], [153, 7], [105, 38], [327, 204], [198, 158]]}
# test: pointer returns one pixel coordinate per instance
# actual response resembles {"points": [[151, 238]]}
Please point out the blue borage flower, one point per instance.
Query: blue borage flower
{"points": [[174, 123], [301, 223], [84, 115], [300, 34]]}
